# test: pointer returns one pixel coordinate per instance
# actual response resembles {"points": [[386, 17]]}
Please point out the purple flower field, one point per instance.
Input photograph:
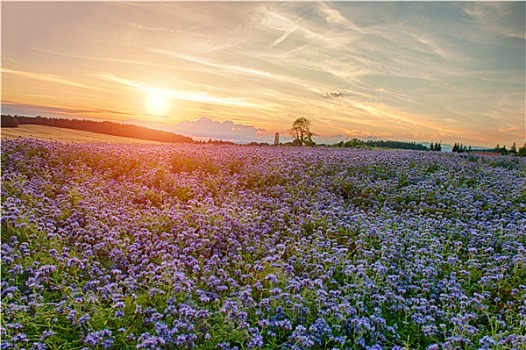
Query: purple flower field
{"points": [[129, 246]]}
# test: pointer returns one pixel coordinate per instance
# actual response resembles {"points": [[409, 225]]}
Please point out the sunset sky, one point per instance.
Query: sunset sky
{"points": [[242, 71]]}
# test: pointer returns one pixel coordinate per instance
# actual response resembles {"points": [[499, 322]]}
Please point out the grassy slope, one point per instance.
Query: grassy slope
{"points": [[64, 135]]}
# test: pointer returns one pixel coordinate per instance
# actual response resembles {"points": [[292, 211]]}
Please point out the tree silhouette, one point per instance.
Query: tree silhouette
{"points": [[9, 121], [460, 148], [513, 148], [301, 132]]}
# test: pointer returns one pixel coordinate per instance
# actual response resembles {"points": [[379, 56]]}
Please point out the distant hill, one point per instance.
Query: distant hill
{"points": [[105, 127]]}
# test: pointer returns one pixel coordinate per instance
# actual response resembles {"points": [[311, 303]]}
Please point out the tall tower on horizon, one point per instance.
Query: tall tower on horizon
{"points": [[276, 139]]}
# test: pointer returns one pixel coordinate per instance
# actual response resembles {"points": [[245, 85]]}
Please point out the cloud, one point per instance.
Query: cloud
{"points": [[334, 95], [48, 78], [92, 58], [273, 71], [147, 28], [195, 96], [504, 18], [229, 68], [205, 127], [26, 109]]}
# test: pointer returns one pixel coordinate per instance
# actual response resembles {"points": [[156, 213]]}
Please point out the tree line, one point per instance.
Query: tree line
{"points": [[521, 152], [460, 148], [104, 127], [302, 136], [513, 150], [357, 143]]}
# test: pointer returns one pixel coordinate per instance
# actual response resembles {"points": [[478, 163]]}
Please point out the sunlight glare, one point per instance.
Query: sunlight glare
{"points": [[158, 103]]}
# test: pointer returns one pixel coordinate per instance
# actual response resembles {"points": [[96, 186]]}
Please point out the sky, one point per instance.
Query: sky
{"points": [[242, 71]]}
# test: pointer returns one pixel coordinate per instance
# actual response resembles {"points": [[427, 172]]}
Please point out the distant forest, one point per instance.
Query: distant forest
{"points": [[356, 143], [105, 127]]}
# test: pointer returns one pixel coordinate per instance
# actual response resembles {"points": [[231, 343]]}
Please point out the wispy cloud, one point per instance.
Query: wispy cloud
{"points": [[196, 96], [49, 78], [92, 58], [224, 67], [503, 18], [265, 80], [152, 29], [61, 110]]}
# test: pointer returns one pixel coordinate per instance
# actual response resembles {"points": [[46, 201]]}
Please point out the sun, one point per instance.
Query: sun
{"points": [[158, 103]]}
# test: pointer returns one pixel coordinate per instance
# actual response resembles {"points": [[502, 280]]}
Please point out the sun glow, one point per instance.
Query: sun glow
{"points": [[158, 103]]}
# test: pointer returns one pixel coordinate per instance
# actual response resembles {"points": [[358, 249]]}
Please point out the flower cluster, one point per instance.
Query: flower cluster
{"points": [[226, 247]]}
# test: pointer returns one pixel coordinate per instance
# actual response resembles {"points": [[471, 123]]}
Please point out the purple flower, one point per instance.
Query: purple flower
{"points": [[84, 318], [148, 341], [46, 334]]}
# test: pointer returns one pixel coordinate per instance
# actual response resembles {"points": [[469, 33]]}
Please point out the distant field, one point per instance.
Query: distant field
{"points": [[65, 135]]}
